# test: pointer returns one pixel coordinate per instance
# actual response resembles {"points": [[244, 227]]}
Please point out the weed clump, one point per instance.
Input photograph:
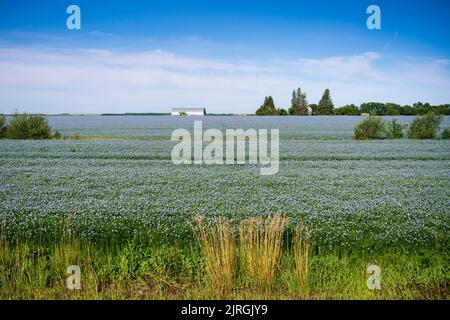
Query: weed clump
{"points": [[424, 127], [260, 245], [369, 129]]}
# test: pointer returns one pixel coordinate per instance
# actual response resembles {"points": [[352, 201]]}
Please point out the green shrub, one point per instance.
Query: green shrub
{"points": [[446, 133], [57, 135], [394, 129], [28, 126], [282, 112], [424, 127], [370, 128], [2, 125]]}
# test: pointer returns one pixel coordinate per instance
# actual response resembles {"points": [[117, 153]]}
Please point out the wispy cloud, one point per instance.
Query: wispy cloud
{"points": [[101, 34], [350, 67], [97, 80]]}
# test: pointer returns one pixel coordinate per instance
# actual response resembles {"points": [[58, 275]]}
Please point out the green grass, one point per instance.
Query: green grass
{"points": [[138, 270]]}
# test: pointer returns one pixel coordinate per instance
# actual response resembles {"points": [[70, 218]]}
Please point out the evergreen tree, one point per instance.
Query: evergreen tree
{"points": [[267, 108], [326, 106], [299, 104], [294, 103]]}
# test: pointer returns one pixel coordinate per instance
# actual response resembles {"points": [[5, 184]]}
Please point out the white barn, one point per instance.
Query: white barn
{"points": [[188, 111]]}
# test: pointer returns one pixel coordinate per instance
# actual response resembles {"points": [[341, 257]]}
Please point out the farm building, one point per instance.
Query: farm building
{"points": [[188, 111]]}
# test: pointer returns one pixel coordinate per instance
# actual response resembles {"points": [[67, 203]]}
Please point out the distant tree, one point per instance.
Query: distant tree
{"points": [[314, 107], [392, 109], [28, 126], [2, 125], [282, 112], [299, 104], [326, 106], [425, 108], [373, 108], [424, 127], [294, 103], [443, 109], [267, 108], [407, 110], [422, 108], [348, 110]]}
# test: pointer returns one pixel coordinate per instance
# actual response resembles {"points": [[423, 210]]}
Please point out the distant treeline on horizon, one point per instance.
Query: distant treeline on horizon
{"points": [[301, 107], [137, 114], [268, 109], [393, 109], [371, 108]]}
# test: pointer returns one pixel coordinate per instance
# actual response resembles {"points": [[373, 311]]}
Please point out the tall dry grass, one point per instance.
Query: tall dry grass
{"points": [[260, 247], [302, 249], [218, 247]]}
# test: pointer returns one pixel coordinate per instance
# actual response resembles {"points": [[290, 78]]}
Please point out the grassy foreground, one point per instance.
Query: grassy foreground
{"points": [[257, 261]]}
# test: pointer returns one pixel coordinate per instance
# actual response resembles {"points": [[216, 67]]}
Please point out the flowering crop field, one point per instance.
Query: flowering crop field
{"points": [[160, 127], [351, 194]]}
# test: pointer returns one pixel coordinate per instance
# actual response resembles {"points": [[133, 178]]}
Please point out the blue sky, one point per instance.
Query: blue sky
{"points": [[150, 56]]}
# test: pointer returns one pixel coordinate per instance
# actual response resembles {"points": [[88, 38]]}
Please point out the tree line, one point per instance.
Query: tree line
{"points": [[301, 107]]}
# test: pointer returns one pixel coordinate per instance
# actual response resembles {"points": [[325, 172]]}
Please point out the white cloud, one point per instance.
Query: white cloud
{"points": [[93, 80], [355, 66]]}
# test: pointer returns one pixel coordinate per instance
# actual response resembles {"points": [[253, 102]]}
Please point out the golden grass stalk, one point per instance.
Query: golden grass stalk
{"points": [[218, 248], [260, 244], [302, 247]]}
